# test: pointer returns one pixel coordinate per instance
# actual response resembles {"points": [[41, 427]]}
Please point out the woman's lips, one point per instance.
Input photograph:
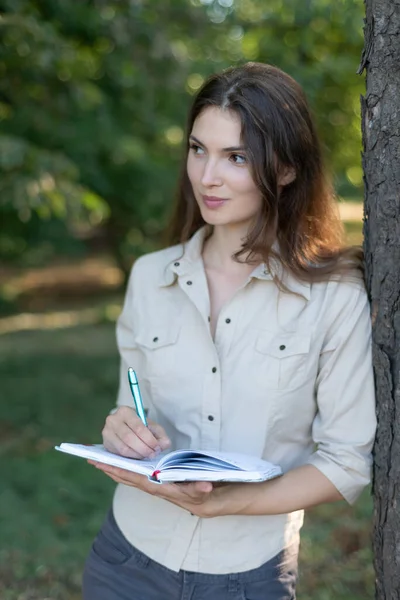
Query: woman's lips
{"points": [[213, 201]]}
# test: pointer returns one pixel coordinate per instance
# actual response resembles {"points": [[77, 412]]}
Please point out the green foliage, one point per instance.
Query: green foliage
{"points": [[93, 97]]}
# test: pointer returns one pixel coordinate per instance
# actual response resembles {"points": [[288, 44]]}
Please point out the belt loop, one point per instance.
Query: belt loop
{"points": [[233, 583], [142, 559]]}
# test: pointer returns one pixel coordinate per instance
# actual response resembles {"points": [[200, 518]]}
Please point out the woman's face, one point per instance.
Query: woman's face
{"points": [[219, 172]]}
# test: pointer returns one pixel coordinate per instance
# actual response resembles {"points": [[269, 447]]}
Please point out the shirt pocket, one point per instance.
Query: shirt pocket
{"points": [[284, 359], [158, 345]]}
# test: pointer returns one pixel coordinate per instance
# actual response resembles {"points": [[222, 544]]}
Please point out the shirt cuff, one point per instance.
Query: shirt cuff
{"points": [[348, 482]]}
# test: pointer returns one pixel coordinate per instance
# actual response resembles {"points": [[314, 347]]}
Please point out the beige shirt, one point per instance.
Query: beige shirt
{"points": [[288, 378]]}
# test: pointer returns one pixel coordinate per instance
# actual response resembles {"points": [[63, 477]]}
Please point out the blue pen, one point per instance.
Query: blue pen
{"points": [[134, 385]]}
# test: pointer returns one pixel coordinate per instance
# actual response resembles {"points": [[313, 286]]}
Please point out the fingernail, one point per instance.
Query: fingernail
{"points": [[157, 449]]}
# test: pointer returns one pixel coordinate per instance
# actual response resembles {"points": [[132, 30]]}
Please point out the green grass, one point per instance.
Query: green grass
{"points": [[57, 385]]}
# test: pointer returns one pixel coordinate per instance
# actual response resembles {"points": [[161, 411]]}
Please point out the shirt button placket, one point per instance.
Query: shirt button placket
{"points": [[211, 431]]}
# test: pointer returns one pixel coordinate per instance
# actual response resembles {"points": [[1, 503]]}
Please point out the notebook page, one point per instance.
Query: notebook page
{"points": [[195, 466], [98, 453], [222, 460]]}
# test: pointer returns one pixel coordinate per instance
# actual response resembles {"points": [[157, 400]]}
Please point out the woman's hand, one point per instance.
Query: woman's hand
{"points": [[200, 498], [298, 489], [125, 434]]}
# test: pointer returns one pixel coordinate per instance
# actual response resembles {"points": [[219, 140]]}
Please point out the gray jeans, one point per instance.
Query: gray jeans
{"points": [[115, 570]]}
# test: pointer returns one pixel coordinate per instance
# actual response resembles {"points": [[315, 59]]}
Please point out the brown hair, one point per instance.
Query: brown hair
{"points": [[277, 127]]}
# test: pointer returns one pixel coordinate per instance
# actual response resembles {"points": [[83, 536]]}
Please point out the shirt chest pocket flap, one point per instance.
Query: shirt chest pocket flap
{"points": [[284, 358], [159, 347]]}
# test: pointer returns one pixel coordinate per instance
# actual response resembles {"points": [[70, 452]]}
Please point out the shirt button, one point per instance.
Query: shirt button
{"points": [[155, 339], [176, 264], [227, 321], [282, 347], [210, 418], [214, 369], [189, 282]]}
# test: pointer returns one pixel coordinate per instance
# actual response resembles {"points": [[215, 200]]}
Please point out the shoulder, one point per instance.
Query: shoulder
{"points": [[341, 300], [153, 267], [343, 289]]}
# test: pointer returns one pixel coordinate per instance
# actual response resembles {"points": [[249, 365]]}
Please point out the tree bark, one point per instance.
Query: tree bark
{"points": [[381, 163]]}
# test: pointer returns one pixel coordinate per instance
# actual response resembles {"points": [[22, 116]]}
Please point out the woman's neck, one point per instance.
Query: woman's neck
{"points": [[219, 248]]}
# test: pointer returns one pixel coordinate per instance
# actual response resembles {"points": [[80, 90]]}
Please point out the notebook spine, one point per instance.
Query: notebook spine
{"points": [[154, 476]]}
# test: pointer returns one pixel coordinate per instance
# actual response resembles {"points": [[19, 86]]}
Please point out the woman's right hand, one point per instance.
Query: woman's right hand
{"points": [[125, 434]]}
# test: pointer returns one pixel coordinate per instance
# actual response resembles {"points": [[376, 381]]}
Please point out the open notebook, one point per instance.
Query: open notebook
{"points": [[183, 465]]}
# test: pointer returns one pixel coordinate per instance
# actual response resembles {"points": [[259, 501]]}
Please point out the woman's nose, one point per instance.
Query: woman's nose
{"points": [[211, 175]]}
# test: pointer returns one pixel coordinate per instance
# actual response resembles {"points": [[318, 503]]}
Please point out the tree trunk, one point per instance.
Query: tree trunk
{"points": [[381, 163]]}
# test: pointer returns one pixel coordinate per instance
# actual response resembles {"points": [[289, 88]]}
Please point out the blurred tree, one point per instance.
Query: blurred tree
{"points": [[93, 97], [381, 158], [90, 94]]}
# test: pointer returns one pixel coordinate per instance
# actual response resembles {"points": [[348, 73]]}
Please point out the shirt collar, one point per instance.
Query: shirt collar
{"points": [[303, 288], [189, 259]]}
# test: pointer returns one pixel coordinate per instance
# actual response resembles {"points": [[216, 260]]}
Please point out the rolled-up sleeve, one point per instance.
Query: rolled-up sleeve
{"points": [[130, 354], [344, 427]]}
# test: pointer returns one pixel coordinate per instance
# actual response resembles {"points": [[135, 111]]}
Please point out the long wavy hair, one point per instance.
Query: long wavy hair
{"points": [[278, 131]]}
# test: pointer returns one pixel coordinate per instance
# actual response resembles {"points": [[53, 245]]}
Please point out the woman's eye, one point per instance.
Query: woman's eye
{"points": [[196, 149], [238, 159]]}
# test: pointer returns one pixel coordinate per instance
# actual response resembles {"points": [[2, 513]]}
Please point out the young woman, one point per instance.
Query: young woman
{"points": [[252, 334]]}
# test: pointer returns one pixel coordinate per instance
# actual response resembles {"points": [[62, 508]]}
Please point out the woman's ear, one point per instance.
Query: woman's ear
{"points": [[286, 175]]}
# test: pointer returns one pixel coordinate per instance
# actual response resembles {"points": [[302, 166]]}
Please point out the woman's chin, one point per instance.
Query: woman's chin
{"points": [[224, 221], [215, 217]]}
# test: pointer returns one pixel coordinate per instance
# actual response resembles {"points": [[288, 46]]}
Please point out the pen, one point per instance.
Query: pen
{"points": [[134, 385]]}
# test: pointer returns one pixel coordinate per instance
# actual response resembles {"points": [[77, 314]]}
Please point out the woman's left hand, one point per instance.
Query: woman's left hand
{"points": [[300, 488], [198, 497]]}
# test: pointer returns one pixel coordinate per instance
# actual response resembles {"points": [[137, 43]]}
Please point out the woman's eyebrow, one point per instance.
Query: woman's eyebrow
{"points": [[229, 149]]}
